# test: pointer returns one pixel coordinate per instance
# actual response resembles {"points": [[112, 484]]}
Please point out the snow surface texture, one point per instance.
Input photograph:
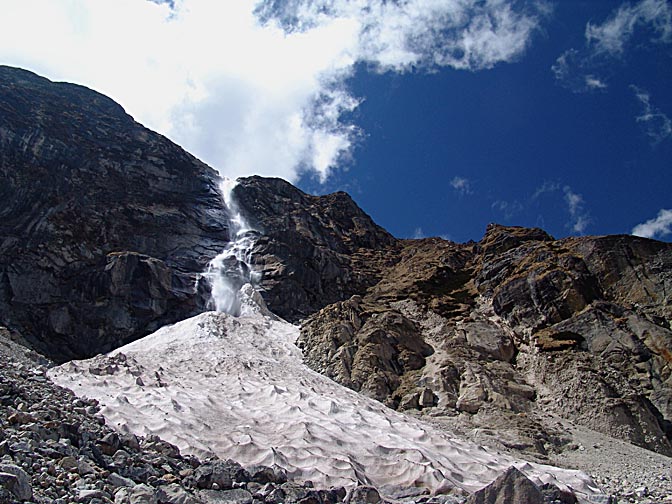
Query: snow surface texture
{"points": [[237, 387]]}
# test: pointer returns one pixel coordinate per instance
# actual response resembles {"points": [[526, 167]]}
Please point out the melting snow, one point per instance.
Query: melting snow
{"points": [[237, 387]]}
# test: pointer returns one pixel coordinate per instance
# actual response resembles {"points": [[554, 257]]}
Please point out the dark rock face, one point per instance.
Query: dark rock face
{"points": [[313, 251], [509, 328], [513, 487], [104, 224]]}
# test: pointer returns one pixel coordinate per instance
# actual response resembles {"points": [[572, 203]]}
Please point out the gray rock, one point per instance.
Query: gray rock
{"points": [[109, 444], [140, 494], [293, 492], [175, 494], [15, 479], [116, 480], [91, 494], [223, 473], [490, 339], [512, 487], [264, 474], [234, 496], [363, 495], [374, 353], [158, 445], [68, 463]]}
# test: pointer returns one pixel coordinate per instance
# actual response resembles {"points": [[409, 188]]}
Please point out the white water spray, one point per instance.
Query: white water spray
{"points": [[232, 269]]}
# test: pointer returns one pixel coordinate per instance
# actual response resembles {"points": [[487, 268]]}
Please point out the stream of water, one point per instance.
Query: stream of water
{"points": [[232, 269]]}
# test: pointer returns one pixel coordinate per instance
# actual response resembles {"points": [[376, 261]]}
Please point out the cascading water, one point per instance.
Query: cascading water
{"points": [[232, 269]]}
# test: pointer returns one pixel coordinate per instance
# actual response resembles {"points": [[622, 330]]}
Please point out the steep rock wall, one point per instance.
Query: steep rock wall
{"points": [[104, 224]]}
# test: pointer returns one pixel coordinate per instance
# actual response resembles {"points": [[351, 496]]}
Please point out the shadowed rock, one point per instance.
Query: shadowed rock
{"points": [[513, 487], [104, 224]]}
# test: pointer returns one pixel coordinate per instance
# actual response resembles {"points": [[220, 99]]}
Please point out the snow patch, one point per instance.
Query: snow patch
{"points": [[237, 387]]}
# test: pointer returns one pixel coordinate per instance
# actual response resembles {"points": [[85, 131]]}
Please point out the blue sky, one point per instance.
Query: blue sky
{"points": [[446, 153], [438, 116]]}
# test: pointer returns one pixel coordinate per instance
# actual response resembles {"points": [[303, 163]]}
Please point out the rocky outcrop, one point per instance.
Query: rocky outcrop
{"points": [[513, 487], [104, 225], [509, 330], [314, 250], [373, 353]]}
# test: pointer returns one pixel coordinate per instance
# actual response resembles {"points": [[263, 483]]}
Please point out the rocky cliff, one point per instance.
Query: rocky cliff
{"points": [[313, 251], [504, 334], [104, 224]]}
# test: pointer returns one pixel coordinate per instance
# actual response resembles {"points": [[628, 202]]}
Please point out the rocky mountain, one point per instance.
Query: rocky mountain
{"points": [[517, 341], [104, 224], [499, 332], [502, 333]]}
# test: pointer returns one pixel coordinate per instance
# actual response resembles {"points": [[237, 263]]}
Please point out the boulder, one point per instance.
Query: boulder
{"points": [[16, 481], [512, 487], [222, 473]]}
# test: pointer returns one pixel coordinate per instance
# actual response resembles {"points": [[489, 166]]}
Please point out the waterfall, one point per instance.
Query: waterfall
{"points": [[232, 269]]}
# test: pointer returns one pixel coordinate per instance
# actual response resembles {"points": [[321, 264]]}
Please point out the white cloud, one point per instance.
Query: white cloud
{"points": [[580, 218], [546, 187], [655, 123], [577, 69], [593, 82], [657, 227], [461, 185], [250, 97], [612, 36]]}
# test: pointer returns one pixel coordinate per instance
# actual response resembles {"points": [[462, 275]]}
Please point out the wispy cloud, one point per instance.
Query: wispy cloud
{"points": [[461, 184], [508, 209], [657, 227], [580, 217], [577, 72], [615, 33], [418, 233], [656, 124], [546, 187], [578, 69], [256, 87], [593, 82]]}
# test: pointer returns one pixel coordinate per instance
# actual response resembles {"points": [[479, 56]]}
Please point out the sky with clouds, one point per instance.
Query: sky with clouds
{"points": [[438, 116]]}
